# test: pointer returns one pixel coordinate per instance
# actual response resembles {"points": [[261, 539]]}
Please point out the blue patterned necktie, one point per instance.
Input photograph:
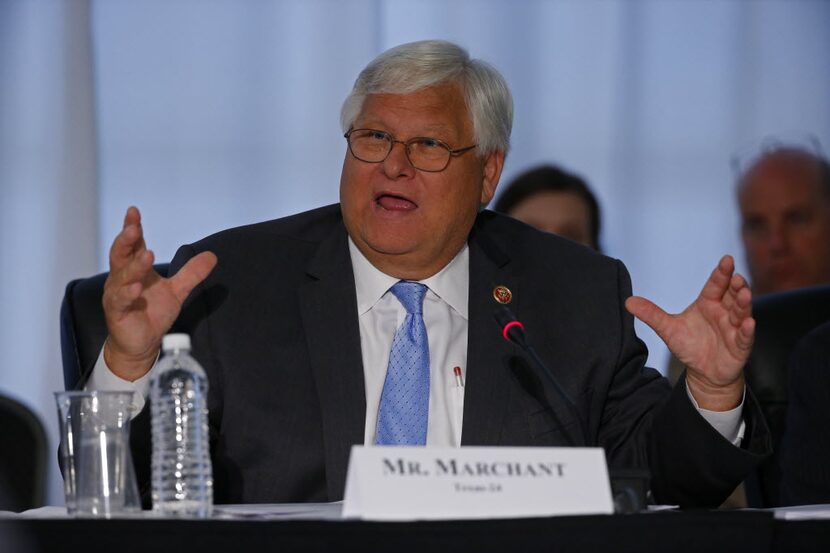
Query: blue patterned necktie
{"points": [[404, 405]]}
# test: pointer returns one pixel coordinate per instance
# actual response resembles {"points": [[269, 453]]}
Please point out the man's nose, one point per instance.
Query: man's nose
{"points": [[397, 164], [779, 239]]}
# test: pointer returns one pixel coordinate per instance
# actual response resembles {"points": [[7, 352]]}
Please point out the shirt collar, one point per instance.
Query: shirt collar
{"points": [[451, 283]]}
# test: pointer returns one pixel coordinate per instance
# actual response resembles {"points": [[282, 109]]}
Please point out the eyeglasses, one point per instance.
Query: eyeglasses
{"points": [[424, 153]]}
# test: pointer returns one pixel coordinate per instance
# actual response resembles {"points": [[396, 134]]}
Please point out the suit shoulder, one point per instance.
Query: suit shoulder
{"points": [[306, 228]]}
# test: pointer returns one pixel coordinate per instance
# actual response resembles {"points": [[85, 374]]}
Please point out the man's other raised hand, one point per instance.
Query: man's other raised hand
{"points": [[712, 337]]}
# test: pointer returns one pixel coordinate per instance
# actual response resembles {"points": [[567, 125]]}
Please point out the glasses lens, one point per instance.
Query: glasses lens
{"points": [[429, 154], [369, 145]]}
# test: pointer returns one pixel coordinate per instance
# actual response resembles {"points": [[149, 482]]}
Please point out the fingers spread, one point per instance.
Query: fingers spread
{"points": [[121, 299], [735, 284], [193, 272], [738, 281], [128, 242], [138, 268], [746, 334], [132, 216], [718, 281], [124, 246], [649, 313], [125, 285], [741, 306]]}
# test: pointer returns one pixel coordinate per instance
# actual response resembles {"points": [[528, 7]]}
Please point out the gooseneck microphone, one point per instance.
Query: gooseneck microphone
{"points": [[514, 331], [629, 487]]}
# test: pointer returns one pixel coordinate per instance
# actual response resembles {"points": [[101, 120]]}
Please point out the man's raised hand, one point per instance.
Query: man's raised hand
{"points": [[140, 306], [712, 337]]}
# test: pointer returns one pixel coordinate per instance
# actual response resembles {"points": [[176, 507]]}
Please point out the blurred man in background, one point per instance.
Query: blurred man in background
{"points": [[556, 201], [784, 199]]}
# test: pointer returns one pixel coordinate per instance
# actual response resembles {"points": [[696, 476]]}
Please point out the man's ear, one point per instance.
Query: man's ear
{"points": [[493, 164]]}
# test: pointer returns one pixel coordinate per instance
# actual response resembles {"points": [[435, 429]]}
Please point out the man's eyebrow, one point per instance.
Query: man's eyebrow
{"points": [[438, 127], [426, 130]]}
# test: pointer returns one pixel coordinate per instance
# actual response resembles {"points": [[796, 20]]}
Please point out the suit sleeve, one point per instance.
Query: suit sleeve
{"points": [[644, 423]]}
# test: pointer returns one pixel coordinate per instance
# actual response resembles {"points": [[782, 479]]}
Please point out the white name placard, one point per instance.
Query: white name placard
{"points": [[420, 483]]}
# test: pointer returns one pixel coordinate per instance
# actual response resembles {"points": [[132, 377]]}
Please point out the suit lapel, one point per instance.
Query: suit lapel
{"points": [[487, 391], [329, 312]]}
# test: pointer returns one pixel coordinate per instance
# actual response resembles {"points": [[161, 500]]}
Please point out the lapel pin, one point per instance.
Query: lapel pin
{"points": [[502, 294]]}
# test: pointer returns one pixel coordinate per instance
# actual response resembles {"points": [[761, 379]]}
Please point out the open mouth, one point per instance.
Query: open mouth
{"points": [[394, 202]]}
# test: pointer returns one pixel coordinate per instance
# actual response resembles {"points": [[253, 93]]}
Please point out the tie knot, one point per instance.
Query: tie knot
{"points": [[411, 295]]}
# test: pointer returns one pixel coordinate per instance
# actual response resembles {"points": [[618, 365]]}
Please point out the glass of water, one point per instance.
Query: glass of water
{"points": [[98, 473]]}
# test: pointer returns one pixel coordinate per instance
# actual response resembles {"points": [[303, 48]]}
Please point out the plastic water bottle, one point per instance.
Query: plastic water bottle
{"points": [[182, 479]]}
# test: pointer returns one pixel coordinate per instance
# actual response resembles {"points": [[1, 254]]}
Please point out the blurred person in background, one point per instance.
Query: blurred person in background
{"points": [[555, 201], [784, 200], [783, 193]]}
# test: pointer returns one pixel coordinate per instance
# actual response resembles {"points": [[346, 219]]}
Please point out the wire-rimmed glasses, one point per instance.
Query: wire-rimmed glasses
{"points": [[424, 153]]}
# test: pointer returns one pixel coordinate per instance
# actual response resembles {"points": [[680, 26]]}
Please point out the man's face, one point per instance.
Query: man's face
{"points": [[785, 223], [411, 223], [563, 213]]}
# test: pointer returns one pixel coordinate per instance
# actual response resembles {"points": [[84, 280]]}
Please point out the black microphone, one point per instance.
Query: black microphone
{"points": [[514, 331], [629, 487]]}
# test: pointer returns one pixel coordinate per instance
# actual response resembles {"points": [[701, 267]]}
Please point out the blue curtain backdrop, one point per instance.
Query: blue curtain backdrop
{"points": [[214, 113]]}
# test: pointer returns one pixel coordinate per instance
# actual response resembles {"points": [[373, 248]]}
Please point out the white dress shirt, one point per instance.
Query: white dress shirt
{"points": [[446, 319]]}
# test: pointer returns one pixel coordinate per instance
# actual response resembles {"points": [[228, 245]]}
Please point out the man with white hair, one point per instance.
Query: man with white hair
{"points": [[371, 321]]}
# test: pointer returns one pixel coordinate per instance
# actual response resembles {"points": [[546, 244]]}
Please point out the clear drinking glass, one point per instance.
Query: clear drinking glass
{"points": [[98, 474]]}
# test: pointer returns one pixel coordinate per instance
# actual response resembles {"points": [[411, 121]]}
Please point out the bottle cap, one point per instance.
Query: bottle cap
{"points": [[173, 342]]}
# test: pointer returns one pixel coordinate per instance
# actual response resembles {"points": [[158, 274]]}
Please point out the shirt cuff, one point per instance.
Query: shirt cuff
{"points": [[729, 424], [103, 379]]}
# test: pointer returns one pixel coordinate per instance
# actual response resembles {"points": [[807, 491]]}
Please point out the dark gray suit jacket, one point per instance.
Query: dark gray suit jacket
{"points": [[275, 327], [805, 446]]}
